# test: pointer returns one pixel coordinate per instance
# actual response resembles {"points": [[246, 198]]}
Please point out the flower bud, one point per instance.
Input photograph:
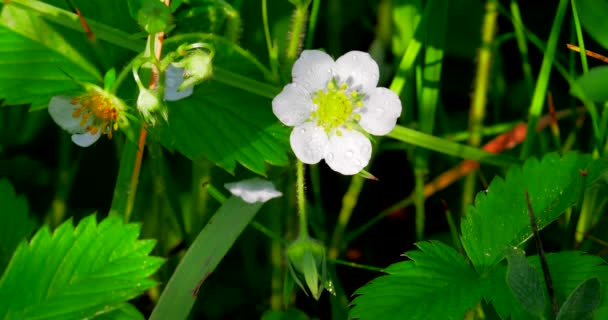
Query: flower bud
{"points": [[150, 106], [197, 68], [307, 264]]}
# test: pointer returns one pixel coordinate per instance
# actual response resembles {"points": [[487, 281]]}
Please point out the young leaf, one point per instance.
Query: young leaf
{"points": [[225, 124], [499, 219], [16, 225], [29, 53], [437, 284], [77, 272], [582, 302], [525, 282]]}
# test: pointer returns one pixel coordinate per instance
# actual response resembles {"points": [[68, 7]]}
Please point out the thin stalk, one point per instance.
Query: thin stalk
{"points": [[272, 51], [349, 201], [301, 201], [540, 92], [477, 112], [522, 45], [579, 36], [296, 33], [312, 23]]}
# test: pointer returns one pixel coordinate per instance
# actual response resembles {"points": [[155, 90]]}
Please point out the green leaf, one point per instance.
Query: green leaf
{"points": [[224, 124], [205, 253], [582, 302], [568, 269], [496, 290], [31, 47], [499, 219], [525, 282], [125, 312], [16, 225], [592, 14], [77, 272], [437, 276], [593, 84]]}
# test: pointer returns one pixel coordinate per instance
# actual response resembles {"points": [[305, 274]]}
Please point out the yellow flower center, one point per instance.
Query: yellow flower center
{"points": [[100, 108], [336, 106]]}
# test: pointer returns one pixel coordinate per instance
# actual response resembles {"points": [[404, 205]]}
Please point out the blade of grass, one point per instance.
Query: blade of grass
{"points": [[540, 91], [207, 250]]}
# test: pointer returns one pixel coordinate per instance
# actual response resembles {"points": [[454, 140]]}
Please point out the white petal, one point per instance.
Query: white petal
{"points": [[380, 112], [61, 110], [253, 190], [293, 105], [349, 153], [313, 70], [85, 139], [358, 69], [308, 142], [173, 79]]}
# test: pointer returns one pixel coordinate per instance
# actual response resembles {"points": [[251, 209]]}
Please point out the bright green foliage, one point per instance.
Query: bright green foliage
{"points": [[499, 219], [225, 124], [16, 224], [79, 272], [582, 302], [592, 14], [594, 84], [437, 284], [525, 282], [26, 54]]}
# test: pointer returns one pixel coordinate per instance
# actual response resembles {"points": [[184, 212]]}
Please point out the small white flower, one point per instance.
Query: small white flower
{"points": [[174, 77], [329, 103], [253, 190], [87, 116]]}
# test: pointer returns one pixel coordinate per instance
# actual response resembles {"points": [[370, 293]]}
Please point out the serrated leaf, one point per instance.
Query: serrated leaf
{"points": [[594, 84], [499, 219], [525, 282], [568, 269], [16, 225], [225, 124], [583, 301], [76, 273], [437, 275], [592, 15], [35, 58]]}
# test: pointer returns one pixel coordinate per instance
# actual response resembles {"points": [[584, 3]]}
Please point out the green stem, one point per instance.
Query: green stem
{"points": [[301, 201], [349, 201], [445, 146], [312, 24], [355, 265], [296, 34], [480, 94], [273, 54], [522, 45], [579, 37], [540, 92]]}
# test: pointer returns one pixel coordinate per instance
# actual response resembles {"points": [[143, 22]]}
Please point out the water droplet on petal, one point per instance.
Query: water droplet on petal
{"points": [[354, 57], [349, 154], [379, 110], [365, 149], [358, 163], [330, 156], [302, 130]]}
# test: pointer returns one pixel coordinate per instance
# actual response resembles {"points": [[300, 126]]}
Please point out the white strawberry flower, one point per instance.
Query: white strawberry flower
{"points": [[330, 103]]}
